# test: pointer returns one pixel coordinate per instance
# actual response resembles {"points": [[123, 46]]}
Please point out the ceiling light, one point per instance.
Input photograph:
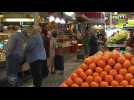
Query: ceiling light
{"points": [[69, 13], [19, 20], [115, 13], [51, 19], [62, 21], [57, 20]]}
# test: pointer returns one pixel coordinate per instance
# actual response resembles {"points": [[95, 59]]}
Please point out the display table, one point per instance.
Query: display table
{"points": [[117, 46]]}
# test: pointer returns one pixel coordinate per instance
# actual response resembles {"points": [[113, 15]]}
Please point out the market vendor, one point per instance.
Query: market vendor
{"points": [[102, 40], [93, 43], [85, 42]]}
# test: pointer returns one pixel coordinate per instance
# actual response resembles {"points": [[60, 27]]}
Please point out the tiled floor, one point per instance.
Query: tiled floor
{"points": [[56, 79]]}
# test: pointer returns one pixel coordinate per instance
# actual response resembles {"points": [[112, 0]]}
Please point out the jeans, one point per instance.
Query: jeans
{"points": [[13, 65]]}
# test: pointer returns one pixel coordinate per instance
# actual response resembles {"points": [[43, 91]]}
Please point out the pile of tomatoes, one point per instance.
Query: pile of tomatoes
{"points": [[104, 69]]}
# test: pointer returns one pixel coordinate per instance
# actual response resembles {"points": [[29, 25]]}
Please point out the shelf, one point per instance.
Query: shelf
{"points": [[117, 45]]}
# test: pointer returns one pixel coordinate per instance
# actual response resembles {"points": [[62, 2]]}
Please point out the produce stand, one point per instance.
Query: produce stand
{"points": [[104, 69], [121, 47]]}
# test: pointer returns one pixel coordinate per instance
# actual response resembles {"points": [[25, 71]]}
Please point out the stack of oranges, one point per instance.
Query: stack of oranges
{"points": [[104, 69]]}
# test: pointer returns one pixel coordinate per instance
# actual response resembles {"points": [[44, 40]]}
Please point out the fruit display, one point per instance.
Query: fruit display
{"points": [[118, 37], [104, 69]]}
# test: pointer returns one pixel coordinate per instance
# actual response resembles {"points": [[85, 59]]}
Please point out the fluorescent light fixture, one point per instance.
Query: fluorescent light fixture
{"points": [[69, 13], [57, 20], [19, 20], [62, 21], [99, 25], [115, 13], [51, 19], [95, 26]]}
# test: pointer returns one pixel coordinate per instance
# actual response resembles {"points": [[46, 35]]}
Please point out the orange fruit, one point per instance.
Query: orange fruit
{"points": [[111, 62], [79, 70], [121, 59], [95, 74], [101, 63], [117, 66], [119, 77], [124, 83], [104, 84], [97, 79], [108, 53], [97, 58], [92, 66], [74, 76], [75, 85], [89, 79], [88, 60], [114, 83], [94, 84], [131, 69], [123, 71], [99, 69], [83, 75], [63, 85], [128, 76], [132, 82], [115, 54], [113, 72], [84, 66], [108, 78], [126, 64], [129, 86], [84, 84], [89, 72], [100, 53], [78, 80], [105, 57], [128, 55], [107, 68], [103, 74], [69, 81], [132, 60]]}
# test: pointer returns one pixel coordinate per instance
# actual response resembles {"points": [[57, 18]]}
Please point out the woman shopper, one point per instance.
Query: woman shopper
{"points": [[52, 51], [15, 53], [36, 55]]}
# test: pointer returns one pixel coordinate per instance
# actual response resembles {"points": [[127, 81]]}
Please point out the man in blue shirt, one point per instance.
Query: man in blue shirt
{"points": [[36, 55], [15, 53]]}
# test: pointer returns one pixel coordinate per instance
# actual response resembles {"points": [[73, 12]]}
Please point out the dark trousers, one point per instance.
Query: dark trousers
{"points": [[59, 62], [45, 70], [36, 70]]}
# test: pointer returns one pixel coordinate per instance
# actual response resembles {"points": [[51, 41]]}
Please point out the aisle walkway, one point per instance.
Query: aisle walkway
{"points": [[56, 79]]}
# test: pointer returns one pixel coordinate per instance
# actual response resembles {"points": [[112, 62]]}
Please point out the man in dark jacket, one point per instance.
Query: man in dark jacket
{"points": [[93, 44]]}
